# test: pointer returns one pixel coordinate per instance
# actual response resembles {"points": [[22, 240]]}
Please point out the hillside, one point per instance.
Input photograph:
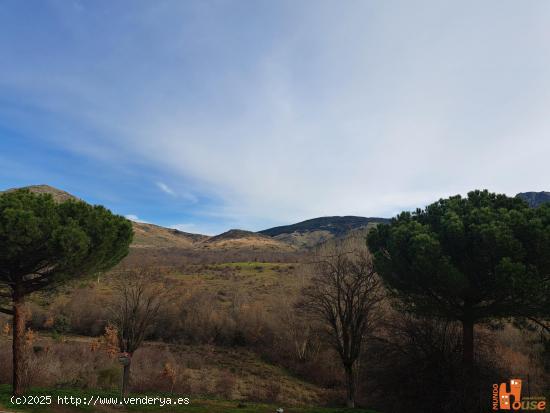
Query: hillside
{"points": [[145, 235], [335, 225], [534, 199], [155, 236], [57, 194], [246, 244], [317, 230], [239, 239]]}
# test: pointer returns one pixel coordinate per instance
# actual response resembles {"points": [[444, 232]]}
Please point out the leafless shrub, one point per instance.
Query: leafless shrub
{"points": [[5, 361], [137, 301], [225, 384], [273, 391]]}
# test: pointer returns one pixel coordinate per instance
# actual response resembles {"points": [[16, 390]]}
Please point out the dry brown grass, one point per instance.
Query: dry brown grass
{"points": [[154, 236], [149, 236], [207, 371], [520, 352]]}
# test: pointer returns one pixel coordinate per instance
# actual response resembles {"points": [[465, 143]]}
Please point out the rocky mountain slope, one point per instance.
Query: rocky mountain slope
{"points": [[317, 230], [534, 199]]}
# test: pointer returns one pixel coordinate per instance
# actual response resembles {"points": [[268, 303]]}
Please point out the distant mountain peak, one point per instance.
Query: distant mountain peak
{"points": [[239, 239], [57, 194], [336, 225], [235, 234], [535, 199], [284, 238], [317, 230]]}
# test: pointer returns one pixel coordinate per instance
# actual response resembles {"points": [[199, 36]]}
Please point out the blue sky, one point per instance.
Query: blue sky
{"points": [[210, 115]]}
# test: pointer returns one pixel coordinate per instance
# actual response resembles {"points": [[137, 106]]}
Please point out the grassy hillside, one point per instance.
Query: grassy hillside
{"points": [[239, 239], [155, 236]]}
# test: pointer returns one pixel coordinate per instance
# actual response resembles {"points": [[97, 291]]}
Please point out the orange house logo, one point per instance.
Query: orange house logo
{"points": [[507, 396]]}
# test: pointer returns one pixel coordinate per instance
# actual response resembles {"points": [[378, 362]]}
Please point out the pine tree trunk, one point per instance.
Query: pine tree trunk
{"points": [[126, 379], [470, 390], [350, 384], [18, 344], [468, 345]]}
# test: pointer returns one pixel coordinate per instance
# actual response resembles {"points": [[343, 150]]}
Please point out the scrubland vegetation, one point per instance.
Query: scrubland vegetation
{"points": [[233, 334]]}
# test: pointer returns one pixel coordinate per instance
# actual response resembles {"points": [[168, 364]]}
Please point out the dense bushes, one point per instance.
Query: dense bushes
{"points": [[84, 311], [416, 366], [194, 371]]}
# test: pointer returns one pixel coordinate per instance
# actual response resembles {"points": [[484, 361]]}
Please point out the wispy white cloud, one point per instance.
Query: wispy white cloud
{"points": [[200, 228], [166, 189], [364, 108], [135, 218], [184, 227], [181, 194]]}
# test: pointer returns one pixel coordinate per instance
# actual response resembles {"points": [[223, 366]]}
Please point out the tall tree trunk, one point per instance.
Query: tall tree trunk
{"points": [[470, 390], [18, 344], [468, 345], [126, 379], [350, 384]]}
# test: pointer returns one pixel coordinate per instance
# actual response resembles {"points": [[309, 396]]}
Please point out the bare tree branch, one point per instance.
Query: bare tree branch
{"points": [[344, 295]]}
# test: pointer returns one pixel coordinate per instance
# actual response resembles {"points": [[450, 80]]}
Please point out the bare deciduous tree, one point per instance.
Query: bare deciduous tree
{"points": [[136, 305], [344, 295]]}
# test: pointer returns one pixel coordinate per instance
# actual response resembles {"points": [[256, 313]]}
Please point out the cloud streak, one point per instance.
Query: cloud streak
{"points": [[165, 188], [289, 110], [135, 218]]}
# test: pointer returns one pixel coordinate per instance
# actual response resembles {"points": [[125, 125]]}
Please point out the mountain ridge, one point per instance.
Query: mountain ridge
{"points": [[285, 238], [337, 225], [57, 194], [307, 232], [314, 231], [535, 199]]}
